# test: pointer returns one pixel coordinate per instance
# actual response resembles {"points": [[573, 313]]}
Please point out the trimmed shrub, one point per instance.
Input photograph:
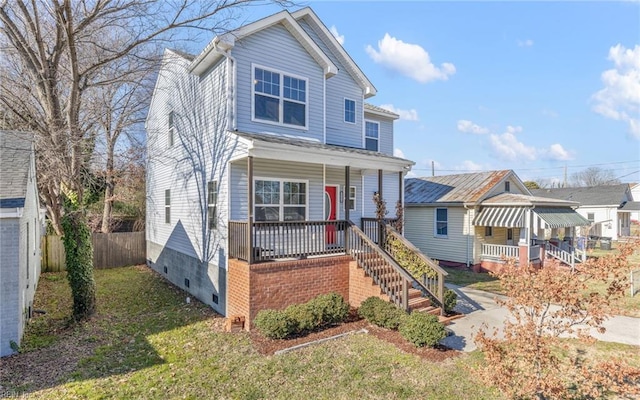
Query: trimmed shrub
{"points": [[330, 308], [275, 324], [381, 313], [306, 319], [450, 301], [422, 329]]}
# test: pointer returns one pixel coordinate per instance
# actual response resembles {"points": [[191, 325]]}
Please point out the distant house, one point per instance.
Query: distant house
{"points": [[264, 157], [20, 230], [475, 219], [635, 195], [607, 207]]}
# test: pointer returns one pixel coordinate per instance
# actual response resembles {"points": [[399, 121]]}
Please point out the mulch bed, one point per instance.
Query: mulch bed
{"points": [[354, 323]]}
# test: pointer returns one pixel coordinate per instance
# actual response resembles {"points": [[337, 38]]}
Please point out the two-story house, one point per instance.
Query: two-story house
{"points": [[263, 158]]}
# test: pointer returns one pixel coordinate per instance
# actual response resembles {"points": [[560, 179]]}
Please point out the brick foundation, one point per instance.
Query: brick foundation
{"points": [[362, 286]]}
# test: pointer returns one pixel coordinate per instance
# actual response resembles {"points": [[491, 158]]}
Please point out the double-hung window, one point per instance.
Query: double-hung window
{"points": [[441, 222], [352, 198], [349, 111], [167, 206], [212, 203], [172, 129], [279, 98], [280, 200], [371, 135]]}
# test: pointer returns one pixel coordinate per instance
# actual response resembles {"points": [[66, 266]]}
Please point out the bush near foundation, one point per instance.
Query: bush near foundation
{"points": [[422, 329], [381, 313]]}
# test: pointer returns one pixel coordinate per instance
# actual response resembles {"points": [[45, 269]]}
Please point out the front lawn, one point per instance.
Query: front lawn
{"points": [[147, 342]]}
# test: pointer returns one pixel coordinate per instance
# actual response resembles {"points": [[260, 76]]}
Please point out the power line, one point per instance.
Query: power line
{"points": [[533, 169]]}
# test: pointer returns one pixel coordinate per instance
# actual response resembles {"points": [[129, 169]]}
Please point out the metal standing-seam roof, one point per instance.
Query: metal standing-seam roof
{"points": [[15, 159], [459, 188]]}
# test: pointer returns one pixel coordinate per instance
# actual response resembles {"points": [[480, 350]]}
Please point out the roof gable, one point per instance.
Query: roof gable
{"points": [[352, 68], [469, 188], [223, 43], [15, 159]]}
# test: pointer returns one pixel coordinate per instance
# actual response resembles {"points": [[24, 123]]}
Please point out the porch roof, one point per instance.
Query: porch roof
{"points": [[291, 148], [556, 217], [503, 217]]}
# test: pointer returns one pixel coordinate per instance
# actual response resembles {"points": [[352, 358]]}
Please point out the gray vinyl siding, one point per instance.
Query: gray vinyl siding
{"points": [[264, 169], [385, 144], [277, 49], [419, 229], [389, 192], [338, 88]]}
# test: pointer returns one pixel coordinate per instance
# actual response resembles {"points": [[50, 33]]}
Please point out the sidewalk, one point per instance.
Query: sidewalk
{"points": [[480, 307]]}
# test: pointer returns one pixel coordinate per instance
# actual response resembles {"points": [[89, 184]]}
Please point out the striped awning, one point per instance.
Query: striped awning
{"points": [[505, 217], [560, 217]]}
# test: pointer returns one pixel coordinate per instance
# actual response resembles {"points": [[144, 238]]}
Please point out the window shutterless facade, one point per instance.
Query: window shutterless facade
{"points": [[280, 200], [371, 135], [212, 204], [349, 111], [352, 198], [279, 98], [441, 222]]}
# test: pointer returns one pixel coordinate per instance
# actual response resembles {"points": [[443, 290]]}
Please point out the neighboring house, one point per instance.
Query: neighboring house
{"points": [[20, 232], [475, 219], [263, 159], [635, 195], [607, 207]]}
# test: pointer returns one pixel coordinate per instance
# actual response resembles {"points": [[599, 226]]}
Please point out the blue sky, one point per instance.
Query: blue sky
{"points": [[529, 86]]}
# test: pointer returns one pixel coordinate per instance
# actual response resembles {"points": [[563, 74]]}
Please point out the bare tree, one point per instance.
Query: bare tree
{"points": [[56, 53], [594, 176]]}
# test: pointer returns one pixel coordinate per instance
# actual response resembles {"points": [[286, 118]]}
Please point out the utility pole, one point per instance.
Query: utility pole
{"points": [[433, 168], [565, 176]]}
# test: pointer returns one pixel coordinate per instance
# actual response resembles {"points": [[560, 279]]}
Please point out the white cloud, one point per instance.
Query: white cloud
{"points": [[409, 59], [558, 153], [508, 147], [620, 98], [398, 153], [334, 32], [470, 166], [550, 113], [409, 115], [467, 126], [525, 43]]}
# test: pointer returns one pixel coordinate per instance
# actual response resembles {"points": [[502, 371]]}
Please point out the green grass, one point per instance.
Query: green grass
{"points": [[467, 278], [146, 342]]}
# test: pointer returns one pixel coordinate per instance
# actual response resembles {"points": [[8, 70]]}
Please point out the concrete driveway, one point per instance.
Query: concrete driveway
{"points": [[480, 308]]}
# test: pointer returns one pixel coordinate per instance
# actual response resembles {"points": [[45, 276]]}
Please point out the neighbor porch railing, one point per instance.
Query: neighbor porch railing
{"points": [[499, 251], [569, 258]]}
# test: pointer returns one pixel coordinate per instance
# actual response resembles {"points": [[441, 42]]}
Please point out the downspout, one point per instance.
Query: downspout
{"points": [[469, 234]]}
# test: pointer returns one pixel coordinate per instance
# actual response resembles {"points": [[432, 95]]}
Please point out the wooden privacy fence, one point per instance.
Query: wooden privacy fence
{"points": [[109, 250]]}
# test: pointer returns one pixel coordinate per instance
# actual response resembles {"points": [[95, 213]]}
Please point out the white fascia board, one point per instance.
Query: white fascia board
{"points": [[382, 114], [307, 13], [279, 151]]}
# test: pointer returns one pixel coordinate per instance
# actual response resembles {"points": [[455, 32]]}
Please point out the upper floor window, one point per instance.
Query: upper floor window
{"points": [[349, 111], [371, 135], [507, 186], [279, 98], [441, 222], [167, 206], [212, 203], [172, 129], [280, 200]]}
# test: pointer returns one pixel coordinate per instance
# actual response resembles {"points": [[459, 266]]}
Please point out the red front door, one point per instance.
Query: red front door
{"points": [[330, 208]]}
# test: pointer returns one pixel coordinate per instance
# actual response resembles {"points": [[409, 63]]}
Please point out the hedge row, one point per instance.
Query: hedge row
{"points": [[323, 310]]}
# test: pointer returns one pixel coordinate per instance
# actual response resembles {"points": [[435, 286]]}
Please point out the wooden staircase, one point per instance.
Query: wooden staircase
{"points": [[402, 289]]}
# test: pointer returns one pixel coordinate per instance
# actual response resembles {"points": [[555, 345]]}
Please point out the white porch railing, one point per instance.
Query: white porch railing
{"points": [[498, 251], [570, 257]]}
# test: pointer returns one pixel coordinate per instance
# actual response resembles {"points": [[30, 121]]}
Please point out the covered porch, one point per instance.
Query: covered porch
{"points": [[525, 229]]}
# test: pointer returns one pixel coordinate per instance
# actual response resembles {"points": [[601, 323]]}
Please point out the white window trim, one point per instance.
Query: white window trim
{"points": [[171, 131], [281, 98], [364, 134], [281, 204], [355, 114], [435, 222], [348, 197], [214, 206]]}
